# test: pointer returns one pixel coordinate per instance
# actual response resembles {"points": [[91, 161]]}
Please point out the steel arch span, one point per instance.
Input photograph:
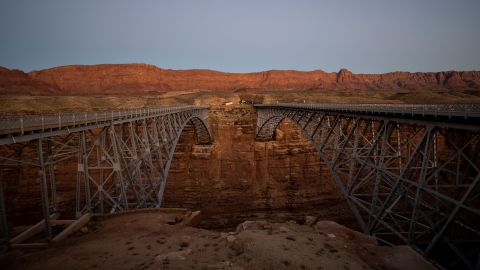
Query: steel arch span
{"points": [[121, 158], [410, 173]]}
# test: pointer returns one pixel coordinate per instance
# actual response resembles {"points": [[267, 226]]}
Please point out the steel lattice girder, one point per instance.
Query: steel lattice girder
{"points": [[120, 165], [407, 181]]}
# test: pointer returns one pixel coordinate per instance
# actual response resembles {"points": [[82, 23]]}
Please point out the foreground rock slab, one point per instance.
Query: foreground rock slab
{"points": [[145, 240]]}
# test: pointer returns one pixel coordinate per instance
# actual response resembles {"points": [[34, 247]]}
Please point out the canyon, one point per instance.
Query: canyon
{"points": [[232, 180], [237, 178], [137, 79]]}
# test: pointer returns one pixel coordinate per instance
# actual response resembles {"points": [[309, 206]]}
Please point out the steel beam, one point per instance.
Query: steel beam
{"points": [[410, 174], [122, 158]]}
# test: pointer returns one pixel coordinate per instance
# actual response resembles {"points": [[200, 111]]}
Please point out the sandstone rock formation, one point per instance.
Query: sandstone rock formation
{"points": [[237, 178], [145, 79], [16, 82]]}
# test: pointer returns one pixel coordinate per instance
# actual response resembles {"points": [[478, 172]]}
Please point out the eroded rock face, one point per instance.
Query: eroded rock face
{"points": [[146, 79], [237, 178]]}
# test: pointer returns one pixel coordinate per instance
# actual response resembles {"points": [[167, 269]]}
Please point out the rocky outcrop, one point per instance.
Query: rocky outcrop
{"points": [[147, 240], [147, 79]]}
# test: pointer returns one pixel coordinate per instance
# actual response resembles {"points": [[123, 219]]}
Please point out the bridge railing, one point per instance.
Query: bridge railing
{"points": [[449, 110], [22, 124]]}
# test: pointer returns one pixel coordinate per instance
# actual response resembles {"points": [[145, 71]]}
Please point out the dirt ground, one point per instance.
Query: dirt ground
{"points": [[160, 241]]}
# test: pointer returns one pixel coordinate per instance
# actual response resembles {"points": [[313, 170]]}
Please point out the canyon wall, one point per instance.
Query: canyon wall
{"points": [[16, 82], [237, 178], [148, 79]]}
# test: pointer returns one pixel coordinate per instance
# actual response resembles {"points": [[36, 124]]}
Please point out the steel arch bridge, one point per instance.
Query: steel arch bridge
{"points": [[121, 158], [410, 173]]}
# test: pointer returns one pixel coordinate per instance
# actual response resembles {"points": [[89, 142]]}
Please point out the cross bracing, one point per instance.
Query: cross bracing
{"points": [[121, 158], [410, 173]]}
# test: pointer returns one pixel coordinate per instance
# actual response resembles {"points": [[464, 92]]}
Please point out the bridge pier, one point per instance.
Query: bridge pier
{"points": [[44, 191]]}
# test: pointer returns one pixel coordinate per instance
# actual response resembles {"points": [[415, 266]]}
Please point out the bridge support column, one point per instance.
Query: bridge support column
{"points": [[153, 175], [117, 168], [44, 191], [98, 143], [83, 178], [51, 176]]}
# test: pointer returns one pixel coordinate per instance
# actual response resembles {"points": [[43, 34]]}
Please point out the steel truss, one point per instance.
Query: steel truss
{"points": [[408, 181], [121, 160]]}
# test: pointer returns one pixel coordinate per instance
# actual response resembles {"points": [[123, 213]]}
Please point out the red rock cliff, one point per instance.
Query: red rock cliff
{"points": [[237, 178], [142, 78], [17, 82]]}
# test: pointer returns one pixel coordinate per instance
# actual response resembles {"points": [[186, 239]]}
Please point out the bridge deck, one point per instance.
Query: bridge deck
{"points": [[430, 111], [410, 173], [34, 126]]}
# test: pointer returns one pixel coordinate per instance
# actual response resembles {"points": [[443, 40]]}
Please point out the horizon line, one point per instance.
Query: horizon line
{"points": [[235, 72]]}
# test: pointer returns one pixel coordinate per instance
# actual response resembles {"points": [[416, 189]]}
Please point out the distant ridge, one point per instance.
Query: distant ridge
{"points": [[107, 79]]}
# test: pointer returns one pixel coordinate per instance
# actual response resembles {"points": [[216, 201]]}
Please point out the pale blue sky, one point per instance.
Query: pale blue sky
{"points": [[365, 36]]}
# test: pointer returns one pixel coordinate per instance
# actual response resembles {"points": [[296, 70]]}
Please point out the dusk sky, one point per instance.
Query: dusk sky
{"points": [[368, 36]]}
